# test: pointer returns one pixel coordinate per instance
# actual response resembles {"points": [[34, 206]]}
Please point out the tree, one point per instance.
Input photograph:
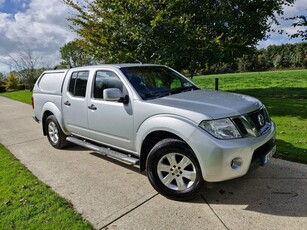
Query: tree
{"points": [[1, 77], [261, 61], [184, 34], [74, 54], [11, 81], [247, 63], [301, 23], [26, 64], [277, 62]]}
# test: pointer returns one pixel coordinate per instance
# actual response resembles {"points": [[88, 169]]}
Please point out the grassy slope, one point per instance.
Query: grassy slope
{"points": [[285, 95], [26, 203], [283, 92], [23, 96]]}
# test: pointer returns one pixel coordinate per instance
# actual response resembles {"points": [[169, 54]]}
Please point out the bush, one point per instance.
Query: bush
{"points": [[21, 87], [2, 89], [11, 82]]}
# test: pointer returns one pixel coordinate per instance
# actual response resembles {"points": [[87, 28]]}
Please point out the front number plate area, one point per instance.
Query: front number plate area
{"points": [[269, 155]]}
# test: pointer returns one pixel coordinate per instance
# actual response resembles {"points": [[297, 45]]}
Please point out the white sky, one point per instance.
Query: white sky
{"points": [[41, 25]]}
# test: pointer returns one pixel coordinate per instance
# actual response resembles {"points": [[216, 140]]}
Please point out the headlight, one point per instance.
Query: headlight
{"points": [[221, 129]]}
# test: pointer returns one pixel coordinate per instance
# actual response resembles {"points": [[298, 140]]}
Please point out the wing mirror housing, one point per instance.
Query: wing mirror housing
{"points": [[115, 94]]}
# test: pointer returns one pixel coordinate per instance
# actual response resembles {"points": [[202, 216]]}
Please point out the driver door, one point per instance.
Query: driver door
{"points": [[110, 122]]}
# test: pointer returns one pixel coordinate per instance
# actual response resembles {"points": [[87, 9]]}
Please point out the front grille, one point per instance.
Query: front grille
{"points": [[253, 124], [240, 126], [255, 119]]}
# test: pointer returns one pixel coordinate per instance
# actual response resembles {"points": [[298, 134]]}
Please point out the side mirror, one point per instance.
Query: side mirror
{"points": [[114, 94]]}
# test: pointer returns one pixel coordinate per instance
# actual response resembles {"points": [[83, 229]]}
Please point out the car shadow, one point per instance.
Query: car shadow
{"points": [[74, 147], [287, 151], [280, 101], [275, 189], [279, 188], [118, 162]]}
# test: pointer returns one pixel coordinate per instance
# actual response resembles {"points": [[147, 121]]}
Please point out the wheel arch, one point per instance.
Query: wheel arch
{"points": [[161, 127], [51, 109], [150, 141], [46, 114]]}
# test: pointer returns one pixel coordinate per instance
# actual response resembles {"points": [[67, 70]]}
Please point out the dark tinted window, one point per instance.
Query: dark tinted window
{"points": [[72, 83], [78, 82], [104, 80], [156, 81]]}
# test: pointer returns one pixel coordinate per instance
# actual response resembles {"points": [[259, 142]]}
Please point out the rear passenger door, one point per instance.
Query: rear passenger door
{"points": [[74, 105], [110, 122]]}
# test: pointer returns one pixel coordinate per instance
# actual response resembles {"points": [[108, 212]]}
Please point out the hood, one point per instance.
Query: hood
{"points": [[212, 104]]}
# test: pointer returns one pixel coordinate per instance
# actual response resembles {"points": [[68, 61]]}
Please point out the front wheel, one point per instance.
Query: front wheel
{"points": [[55, 134], [173, 170]]}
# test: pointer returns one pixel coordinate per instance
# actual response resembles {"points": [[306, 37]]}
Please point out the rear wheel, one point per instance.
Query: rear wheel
{"points": [[173, 170], [55, 134]]}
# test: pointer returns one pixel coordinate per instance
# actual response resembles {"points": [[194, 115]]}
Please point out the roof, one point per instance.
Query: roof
{"points": [[116, 66], [122, 65]]}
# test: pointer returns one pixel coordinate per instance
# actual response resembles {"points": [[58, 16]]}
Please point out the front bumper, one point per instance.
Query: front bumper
{"points": [[216, 156]]}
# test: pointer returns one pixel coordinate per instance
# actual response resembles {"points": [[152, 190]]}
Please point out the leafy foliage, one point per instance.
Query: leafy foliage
{"points": [[2, 86], [183, 34], [11, 81], [286, 55], [74, 54], [300, 21], [273, 57], [1, 77]]}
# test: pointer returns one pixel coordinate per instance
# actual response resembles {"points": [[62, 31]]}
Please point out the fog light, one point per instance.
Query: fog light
{"points": [[236, 163]]}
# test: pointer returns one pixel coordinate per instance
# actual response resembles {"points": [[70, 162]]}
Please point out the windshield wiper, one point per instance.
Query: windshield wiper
{"points": [[154, 95], [168, 92], [185, 89]]}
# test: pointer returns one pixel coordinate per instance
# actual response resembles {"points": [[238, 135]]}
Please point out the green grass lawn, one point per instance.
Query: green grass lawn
{"points": [[283, 92], [27, 203], [285, 95], [22, 95]]}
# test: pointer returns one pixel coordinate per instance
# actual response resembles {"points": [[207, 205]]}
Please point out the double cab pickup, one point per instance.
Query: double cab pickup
{"points": [[154, 117]]}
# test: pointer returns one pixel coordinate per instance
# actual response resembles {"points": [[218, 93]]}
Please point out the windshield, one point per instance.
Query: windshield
{"points": [[156, 81]]}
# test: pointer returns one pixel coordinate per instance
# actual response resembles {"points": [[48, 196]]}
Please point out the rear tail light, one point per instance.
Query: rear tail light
{"points": [[32, 102]]}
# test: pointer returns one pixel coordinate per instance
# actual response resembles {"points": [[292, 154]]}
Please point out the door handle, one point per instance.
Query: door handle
{"points": [[67, 103], [92, 107]]}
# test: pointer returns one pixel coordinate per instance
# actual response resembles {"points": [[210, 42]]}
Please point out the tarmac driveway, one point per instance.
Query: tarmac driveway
{"points": [[112, 195]]}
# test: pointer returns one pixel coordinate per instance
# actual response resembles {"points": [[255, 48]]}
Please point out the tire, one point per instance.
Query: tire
{"points": [[55, 134], [173, 170]]}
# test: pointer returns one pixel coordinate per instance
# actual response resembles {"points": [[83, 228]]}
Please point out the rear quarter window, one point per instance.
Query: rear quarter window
{"points": [[77, 83], [51, 82]]}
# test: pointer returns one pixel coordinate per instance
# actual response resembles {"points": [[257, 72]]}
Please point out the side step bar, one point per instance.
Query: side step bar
{"points": [[104, 151]]}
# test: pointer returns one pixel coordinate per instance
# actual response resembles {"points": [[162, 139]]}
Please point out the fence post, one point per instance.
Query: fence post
{"points": [[216, 84]]}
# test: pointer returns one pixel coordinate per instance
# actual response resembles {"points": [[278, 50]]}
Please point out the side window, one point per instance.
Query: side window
{"points": [[51, 82], [105, 79], [77, 84], [72, 83]]}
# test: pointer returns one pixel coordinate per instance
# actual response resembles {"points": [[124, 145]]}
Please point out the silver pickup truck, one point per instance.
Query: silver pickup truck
{"points": [[153, 117]]}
